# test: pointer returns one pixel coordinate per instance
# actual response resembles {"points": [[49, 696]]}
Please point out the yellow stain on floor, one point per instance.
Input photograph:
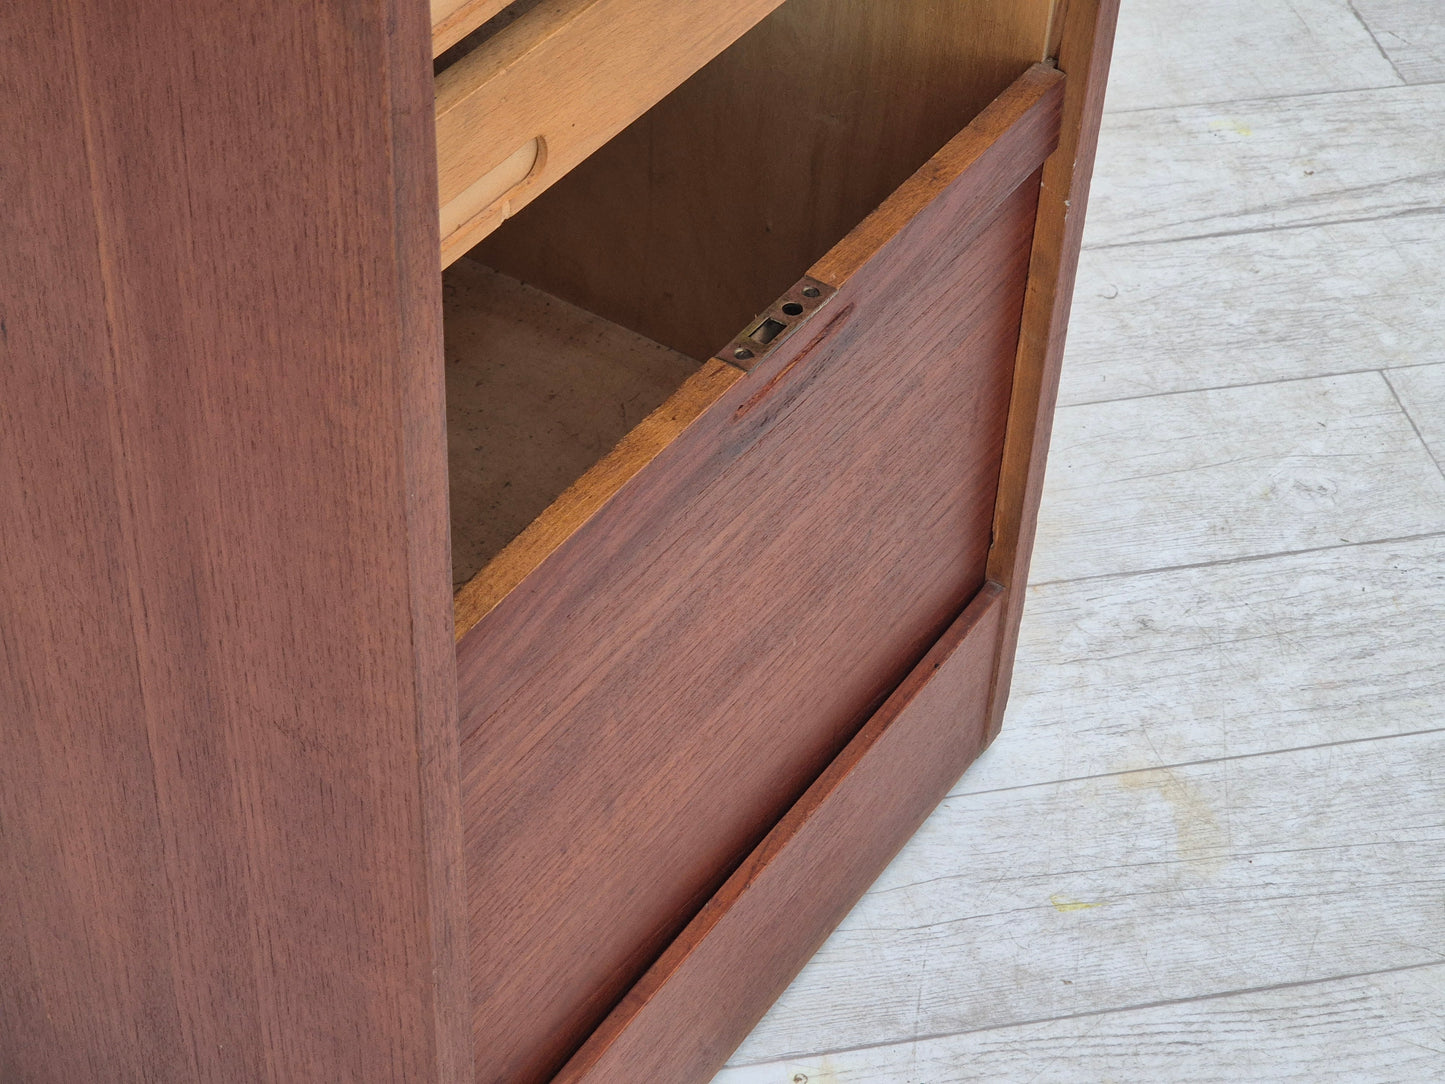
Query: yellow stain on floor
{"points": [[1064, 904], [1203, 842], [822, 1072], [1229, 124]]}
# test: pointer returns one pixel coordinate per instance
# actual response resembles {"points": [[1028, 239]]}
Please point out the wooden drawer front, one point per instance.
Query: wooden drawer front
{"points": [[639, 712], [702, 997]]}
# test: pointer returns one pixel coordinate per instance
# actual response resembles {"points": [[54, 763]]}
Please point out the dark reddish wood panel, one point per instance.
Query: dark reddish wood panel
{"points": [[1085, 30], [694, 1006], [639, 712], [227, 795]]}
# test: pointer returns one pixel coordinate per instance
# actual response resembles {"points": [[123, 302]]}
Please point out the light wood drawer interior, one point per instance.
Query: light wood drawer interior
{"points": [[453, 20], [545, 82], [607, 299]]}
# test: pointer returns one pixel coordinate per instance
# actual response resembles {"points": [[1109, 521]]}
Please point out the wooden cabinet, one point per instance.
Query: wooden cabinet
{"points": [[735, 372]]}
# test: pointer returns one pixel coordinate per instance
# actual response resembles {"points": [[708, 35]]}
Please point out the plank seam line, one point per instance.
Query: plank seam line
{"points": [[1411, 419], [1370, 30], [1224, 562], [1199, 763], [1248, 384], [1407, 212], [1118, 1009], [1295, 96]]}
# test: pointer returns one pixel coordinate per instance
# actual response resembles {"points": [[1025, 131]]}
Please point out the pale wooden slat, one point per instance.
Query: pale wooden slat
{"points": [[487, 190], [1422, 394], [571, 74], [1145, 671], [452, 20], [1170, 53], [1201, 170], [1412, 35], [1121, 891], [1366, 1028], [1212, 475], [1256, 307]]}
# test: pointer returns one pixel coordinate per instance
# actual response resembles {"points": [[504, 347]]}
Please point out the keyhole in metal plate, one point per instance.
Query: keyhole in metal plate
{"points": [[768, 330]]}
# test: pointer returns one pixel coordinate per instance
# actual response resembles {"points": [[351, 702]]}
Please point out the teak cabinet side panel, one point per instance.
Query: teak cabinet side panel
{"points": [[227, 801]]}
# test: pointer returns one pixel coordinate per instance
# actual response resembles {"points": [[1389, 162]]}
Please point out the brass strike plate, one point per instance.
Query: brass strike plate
{"points": [[783, 317]]}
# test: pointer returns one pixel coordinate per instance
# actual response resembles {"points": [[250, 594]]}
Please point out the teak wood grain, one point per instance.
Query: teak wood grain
{"points": [[1086, 38], [228, 806], [568, 75], [693, 1007], [724, 191], [639, 712]]}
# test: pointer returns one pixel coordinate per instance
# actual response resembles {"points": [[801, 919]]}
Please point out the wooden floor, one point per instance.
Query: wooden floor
{"points": [[1210, 844]]}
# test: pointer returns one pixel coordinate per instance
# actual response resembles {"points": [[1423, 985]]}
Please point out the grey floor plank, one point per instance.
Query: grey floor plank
{"points": [[1232, 660], [1154, 886], [1411, 33], [1202, 170], [1422, 393], [1175, 480], [1256, 307], [1369, 1029], [1169, 53]]}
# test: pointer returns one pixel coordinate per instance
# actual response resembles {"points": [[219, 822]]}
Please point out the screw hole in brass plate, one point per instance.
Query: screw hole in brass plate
{"points": [[781, 319]]}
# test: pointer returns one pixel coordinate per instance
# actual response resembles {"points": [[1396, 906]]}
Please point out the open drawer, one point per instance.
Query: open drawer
{"points": [[658, 660]]}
